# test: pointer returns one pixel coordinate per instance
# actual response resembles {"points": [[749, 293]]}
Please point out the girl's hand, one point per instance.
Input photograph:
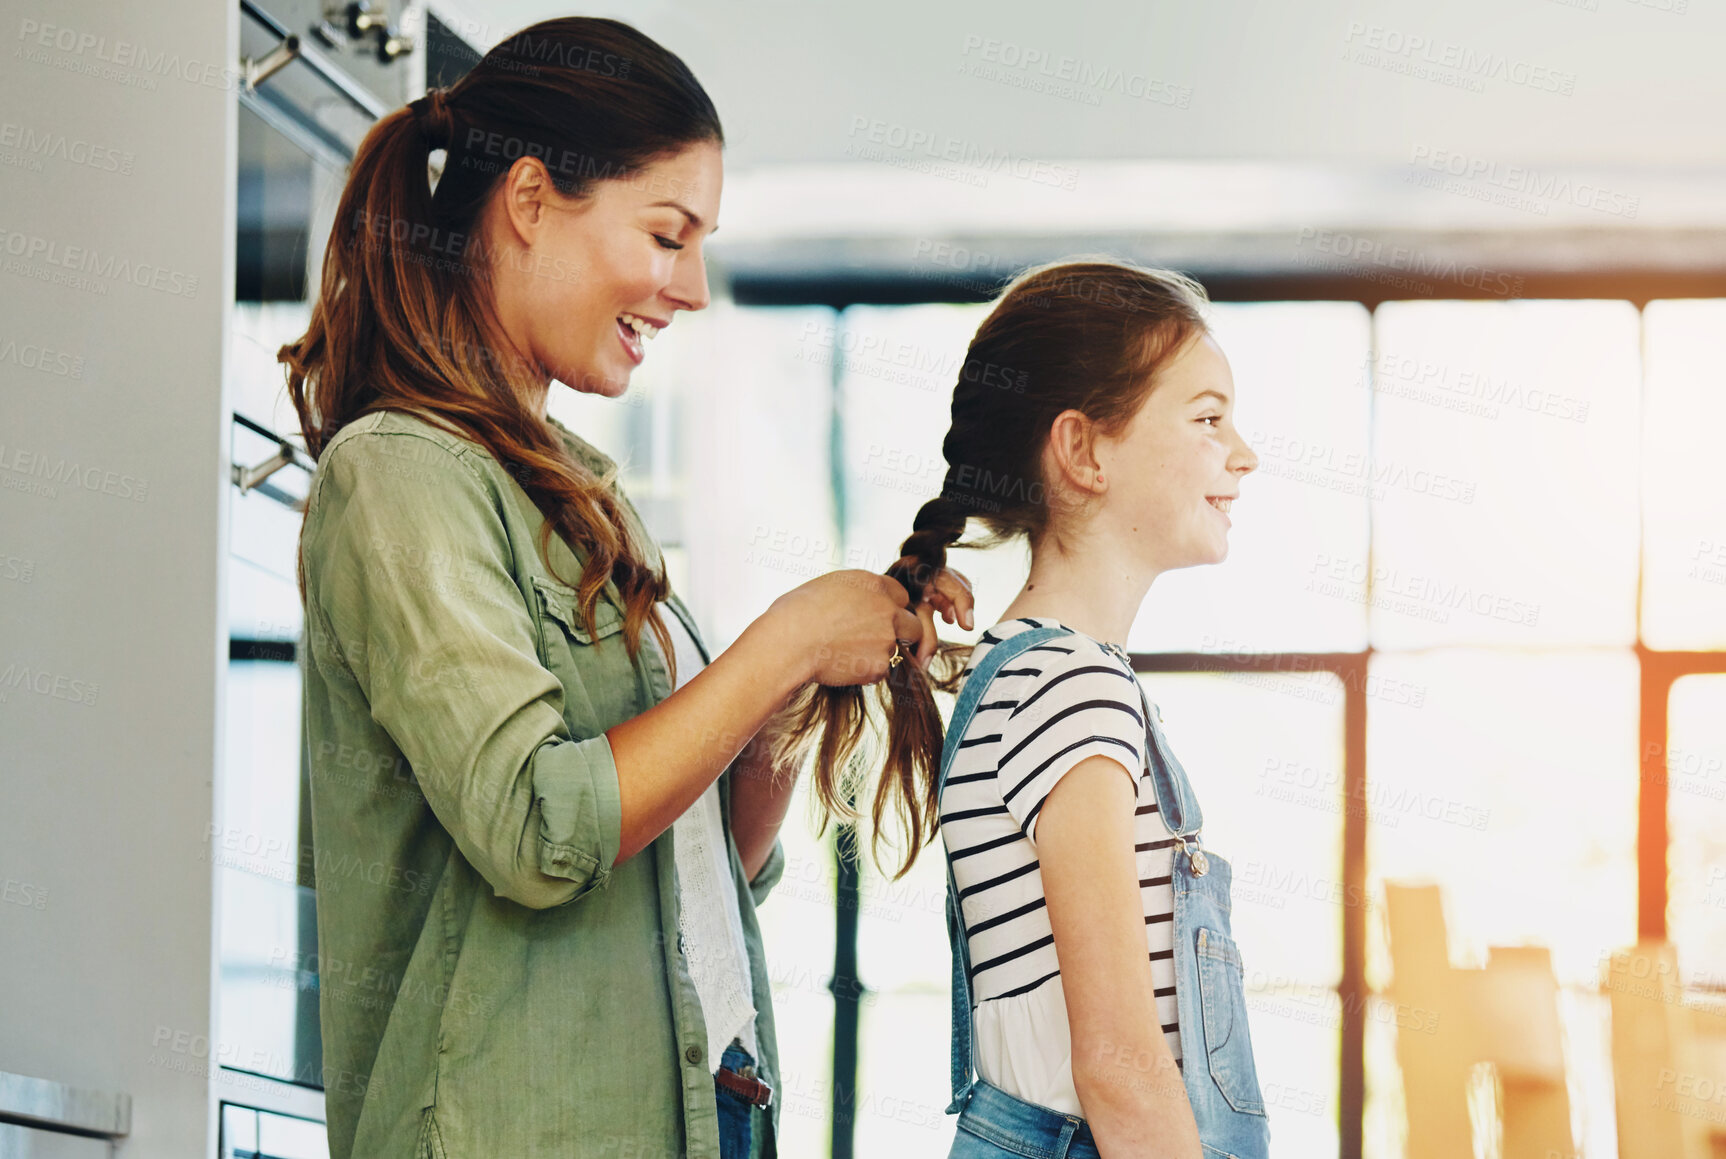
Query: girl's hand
{"points": [[950, 594]]}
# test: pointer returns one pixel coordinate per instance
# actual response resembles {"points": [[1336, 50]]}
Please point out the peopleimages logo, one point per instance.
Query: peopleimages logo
{"points": [[23, 470], [1523, 187], [74, 261], [1362, 252], [117, 60], [1312, 461], [1000, 60], [28, 142], [1417, 52], [924, 144]]}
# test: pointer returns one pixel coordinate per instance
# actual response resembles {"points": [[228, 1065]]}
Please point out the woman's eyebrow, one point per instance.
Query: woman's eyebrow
{"points": [[694, 218], [1216, 394]]}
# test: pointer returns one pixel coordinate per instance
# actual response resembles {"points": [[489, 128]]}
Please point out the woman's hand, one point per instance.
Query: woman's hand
{"points": [[843, 628], [950, 594]]}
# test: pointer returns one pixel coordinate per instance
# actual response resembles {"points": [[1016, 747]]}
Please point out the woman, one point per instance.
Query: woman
{"points": [[1096, 986], [558, 835]]}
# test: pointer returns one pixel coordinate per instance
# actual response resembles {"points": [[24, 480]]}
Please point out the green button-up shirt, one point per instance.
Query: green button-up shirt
{"points": [[491, 984]]}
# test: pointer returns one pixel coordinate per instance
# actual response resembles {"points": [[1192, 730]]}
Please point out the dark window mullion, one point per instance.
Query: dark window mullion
{"points": [[846, 989]]}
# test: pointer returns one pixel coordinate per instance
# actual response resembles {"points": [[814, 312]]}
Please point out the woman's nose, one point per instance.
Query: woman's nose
{"points": [[688, 288]]}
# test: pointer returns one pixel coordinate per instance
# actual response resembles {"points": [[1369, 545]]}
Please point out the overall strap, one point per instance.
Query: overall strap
{"points": [[1176, 802], [970, 695], [1175, 798]]}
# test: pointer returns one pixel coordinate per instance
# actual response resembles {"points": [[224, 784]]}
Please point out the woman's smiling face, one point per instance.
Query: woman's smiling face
{"points": [[581, 284], [1176, 468]]}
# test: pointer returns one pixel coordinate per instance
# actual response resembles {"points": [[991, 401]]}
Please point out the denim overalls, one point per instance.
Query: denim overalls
{"points": [[1217, 1057]]}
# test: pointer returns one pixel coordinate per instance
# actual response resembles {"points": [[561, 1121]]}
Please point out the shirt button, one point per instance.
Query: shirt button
{"points": [[693, 1054]]}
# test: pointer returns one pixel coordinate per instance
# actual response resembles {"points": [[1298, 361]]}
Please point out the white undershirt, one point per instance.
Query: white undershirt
{"points": [[1047, 710], [709, 918]]}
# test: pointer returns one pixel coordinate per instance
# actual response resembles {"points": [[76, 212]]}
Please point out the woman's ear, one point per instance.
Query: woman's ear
{"points": [[526, 190]]}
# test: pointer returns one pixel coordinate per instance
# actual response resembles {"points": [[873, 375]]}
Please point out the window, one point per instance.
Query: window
{"points": [[1478, 566]]}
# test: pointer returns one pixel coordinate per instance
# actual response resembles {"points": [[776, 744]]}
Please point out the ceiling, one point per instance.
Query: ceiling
{"points": [[1577, 82]]}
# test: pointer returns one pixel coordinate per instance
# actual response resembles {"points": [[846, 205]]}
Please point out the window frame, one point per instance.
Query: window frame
{"points": [[1657, 669]]}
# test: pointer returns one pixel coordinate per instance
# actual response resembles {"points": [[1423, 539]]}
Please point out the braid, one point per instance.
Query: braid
{"points": [[939, 523], [903, 699]]}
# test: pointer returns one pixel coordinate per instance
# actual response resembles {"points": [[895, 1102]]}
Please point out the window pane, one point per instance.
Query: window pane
{"points": [[1272, 800], [1683, 506], [1300, 404], [264, 532], [902, 1075], [257, 383], [797, 938], [261, 604], [268, 950], [261, 778], [905, 961], [899, 368], [1504, 474], [902, 928], [1696, 812], [269, 1000], [752, 479], [1512, 785]]}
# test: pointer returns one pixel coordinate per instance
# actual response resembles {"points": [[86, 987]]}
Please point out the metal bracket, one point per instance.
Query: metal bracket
{"points": [[257, 71]]}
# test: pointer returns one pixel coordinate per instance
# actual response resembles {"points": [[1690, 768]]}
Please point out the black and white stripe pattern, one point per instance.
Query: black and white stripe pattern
{"points": [[1051, 707]]}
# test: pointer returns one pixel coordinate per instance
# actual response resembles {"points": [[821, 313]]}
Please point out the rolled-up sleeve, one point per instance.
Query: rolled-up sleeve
{"points": [[410, 579]]}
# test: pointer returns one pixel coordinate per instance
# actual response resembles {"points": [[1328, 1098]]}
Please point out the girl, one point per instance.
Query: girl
{"points": [[546, 944], [1095, 983]]}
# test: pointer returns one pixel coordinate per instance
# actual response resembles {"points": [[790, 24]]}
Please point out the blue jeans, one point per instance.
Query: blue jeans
{"points": [[994, 1123], [736, 1116]]}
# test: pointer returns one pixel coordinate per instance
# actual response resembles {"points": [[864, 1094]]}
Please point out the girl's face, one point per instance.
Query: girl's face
{"points": [[582, 284], [1173, 472]]}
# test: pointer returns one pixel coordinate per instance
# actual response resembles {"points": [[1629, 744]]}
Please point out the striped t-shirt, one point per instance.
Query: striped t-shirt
{"points": [[1051, 707]]}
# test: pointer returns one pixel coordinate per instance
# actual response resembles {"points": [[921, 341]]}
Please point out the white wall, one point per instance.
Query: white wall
{"points": [[112, 502]]}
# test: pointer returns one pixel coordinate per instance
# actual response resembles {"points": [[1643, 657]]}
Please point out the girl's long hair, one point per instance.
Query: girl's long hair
{"points": [[404, 318], [1088, 335]]}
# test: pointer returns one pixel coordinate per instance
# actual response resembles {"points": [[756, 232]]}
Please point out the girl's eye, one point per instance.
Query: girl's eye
{"points": [[1212, 419], [667, 243]]}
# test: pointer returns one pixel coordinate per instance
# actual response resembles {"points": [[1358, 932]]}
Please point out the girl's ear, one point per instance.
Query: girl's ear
{"points": [[1072, 450]]}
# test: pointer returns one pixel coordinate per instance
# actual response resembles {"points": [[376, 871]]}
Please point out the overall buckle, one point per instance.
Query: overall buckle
{"points": [[1195, 856]]}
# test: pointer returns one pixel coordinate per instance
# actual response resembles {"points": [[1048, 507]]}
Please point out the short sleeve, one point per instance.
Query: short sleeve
{"points": [[768, 876], [1083, 703]]}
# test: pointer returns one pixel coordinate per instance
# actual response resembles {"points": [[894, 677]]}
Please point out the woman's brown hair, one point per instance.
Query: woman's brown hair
{"points": [[1087, 335], [404, 318]]}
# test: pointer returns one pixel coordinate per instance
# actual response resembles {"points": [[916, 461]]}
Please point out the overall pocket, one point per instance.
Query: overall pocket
{"points": [[1222, 1000]]}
